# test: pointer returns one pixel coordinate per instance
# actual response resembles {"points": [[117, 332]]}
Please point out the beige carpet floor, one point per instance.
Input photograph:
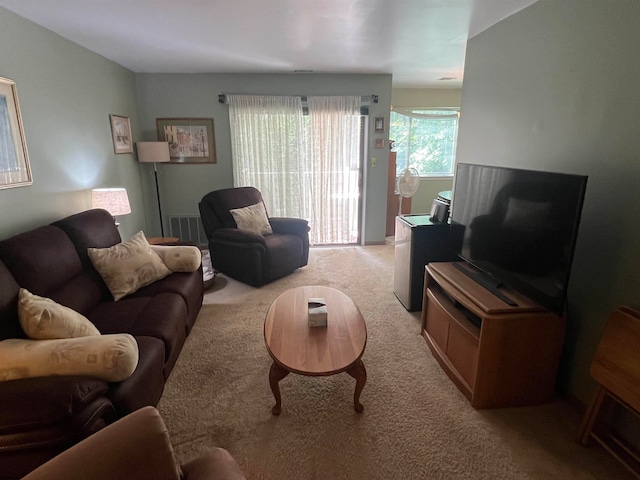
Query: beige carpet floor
{"points": [[416, 424]]}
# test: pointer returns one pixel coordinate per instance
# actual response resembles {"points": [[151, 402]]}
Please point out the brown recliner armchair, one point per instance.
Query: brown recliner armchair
{"points": [[250, 257], [135, 447]]}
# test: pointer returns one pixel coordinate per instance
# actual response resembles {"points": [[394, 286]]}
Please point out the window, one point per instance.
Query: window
{"points": [[425, 139]]}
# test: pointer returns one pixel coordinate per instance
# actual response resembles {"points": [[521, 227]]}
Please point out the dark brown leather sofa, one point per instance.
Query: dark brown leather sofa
{"points": [[249, 257], [40, 417]]}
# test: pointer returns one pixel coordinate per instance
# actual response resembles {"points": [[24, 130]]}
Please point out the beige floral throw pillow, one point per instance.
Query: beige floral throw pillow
{"points": [[42, 319], [179, 258], [252, 218], [128, 266]]}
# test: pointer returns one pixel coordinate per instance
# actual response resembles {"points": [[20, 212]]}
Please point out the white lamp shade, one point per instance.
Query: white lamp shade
{"points": [[157, 152], [113, 200]]}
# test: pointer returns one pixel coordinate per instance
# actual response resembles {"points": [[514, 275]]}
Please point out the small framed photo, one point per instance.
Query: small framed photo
{"points": [[378, 143], [121, 133], [378, 125], [14, 160], [191, 140]]}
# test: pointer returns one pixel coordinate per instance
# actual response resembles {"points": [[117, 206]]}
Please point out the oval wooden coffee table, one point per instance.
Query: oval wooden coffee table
{"points": [[316, 351]]}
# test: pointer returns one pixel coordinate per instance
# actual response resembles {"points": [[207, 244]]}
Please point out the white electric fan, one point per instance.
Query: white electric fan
{"points": [[407, 185]]}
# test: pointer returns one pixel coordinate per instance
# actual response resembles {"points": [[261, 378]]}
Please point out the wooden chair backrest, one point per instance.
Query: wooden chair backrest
{"points": [[616, 365]]}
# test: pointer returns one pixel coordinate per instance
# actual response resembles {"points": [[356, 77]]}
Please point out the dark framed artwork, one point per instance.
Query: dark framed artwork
{"points": [[121, 133], [191, 140], [14, 160]]}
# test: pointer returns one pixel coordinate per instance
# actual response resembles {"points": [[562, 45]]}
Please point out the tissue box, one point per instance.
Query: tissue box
{"points": [[317, 312]]}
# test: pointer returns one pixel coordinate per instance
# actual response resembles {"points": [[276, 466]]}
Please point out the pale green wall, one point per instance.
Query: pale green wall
{"points": [[555, 87], [427, 97], [196, 95], [66, 94]]}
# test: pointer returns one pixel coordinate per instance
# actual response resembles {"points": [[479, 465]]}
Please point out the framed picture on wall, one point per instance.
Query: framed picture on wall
{"points": [[191, 140], [121, 133], [378, 125], [378, 143], [14, 160]]}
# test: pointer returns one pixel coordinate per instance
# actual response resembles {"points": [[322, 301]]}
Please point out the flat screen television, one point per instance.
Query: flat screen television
{"points": [[519, 228]]}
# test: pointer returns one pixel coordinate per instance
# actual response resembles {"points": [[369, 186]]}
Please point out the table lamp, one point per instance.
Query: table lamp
{"points": [[156, 152], [113, 200]]}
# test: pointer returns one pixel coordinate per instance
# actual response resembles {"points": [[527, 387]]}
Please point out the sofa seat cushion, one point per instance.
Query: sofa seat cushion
{"points": [[188, 285], [163, 316], [128, 266], [146, 384], [41, 318], [32, 403], [108, 357]]}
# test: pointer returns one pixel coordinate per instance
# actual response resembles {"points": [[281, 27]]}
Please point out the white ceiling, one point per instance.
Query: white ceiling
{"points": [[420, 42]]}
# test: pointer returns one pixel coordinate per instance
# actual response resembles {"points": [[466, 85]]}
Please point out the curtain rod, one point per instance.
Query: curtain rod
{"points": [[222, 98]]}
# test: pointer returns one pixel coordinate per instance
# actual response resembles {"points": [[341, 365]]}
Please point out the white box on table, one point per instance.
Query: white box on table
{"points": [[317, 312]]}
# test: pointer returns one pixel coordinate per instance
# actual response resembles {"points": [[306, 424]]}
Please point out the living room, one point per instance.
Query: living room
{"points": [[551, 88]]}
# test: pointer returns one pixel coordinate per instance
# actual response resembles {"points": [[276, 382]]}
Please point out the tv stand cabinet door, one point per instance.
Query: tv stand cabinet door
{"points": [[452, 340]]}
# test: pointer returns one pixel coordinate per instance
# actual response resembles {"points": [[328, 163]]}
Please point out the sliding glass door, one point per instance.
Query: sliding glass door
{"points": [[307, 166]]}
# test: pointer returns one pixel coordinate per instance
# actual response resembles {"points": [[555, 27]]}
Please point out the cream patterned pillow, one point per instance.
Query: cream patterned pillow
{"points": [[179, 258], [252, 218], [108, 357], [42, 318], [128, 266]]}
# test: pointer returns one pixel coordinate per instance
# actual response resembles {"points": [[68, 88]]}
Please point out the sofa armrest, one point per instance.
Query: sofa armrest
{"points": [[294, 226], [40, 417], [235, 235], [33, 403]]}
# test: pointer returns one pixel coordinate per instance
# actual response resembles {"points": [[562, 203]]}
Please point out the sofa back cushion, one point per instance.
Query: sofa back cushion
{"points": [[45, 262], [9, 324], [41, 260], [90, 229]]}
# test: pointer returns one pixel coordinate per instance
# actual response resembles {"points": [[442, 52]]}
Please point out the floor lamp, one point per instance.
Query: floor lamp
{"points": [[154, 152]]}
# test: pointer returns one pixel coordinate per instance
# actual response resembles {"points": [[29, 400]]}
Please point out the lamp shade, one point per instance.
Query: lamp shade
{"points": [[157, 152], [113, 200]]}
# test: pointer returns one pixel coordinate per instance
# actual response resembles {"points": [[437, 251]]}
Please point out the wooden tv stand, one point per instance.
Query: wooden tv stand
{"points": [[496, 354]]}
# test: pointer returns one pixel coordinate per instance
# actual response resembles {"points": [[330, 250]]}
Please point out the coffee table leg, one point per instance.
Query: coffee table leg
{"points": [[276, 374], [358, 372]]}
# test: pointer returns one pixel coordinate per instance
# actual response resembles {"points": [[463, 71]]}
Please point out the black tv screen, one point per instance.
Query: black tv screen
{"points": [[519, 227]]}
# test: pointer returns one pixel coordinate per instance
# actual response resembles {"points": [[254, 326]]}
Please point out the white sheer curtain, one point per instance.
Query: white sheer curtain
{"points": [[268, 149], [306, 167], [334, 154]]}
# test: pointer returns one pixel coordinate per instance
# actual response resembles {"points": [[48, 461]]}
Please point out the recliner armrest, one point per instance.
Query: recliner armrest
{"points": [[136, 446], [295, 226], [236, 235]]}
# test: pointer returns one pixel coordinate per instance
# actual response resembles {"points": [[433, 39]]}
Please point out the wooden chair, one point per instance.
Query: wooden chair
{"points": [[616, 368]]}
